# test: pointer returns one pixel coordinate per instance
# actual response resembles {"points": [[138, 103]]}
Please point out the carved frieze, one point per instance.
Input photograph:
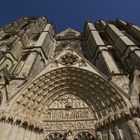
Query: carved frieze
{"points": [[68, 112], [75, 125]]}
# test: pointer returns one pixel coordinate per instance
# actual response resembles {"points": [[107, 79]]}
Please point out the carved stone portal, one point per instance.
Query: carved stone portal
{"points": [[68, 113]]}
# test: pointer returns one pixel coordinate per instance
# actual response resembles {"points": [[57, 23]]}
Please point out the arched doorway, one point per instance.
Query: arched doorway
{"points": [[53, 97]]}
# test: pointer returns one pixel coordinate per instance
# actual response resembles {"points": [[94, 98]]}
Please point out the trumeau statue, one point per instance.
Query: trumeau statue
{"points": [[69, 85]]}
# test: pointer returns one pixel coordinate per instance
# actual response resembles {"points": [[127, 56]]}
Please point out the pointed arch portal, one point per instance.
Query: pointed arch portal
{"points": [[56, 97], [70, 85]]}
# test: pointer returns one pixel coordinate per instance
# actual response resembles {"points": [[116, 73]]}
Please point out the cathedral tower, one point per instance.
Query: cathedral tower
{"points": [[69, 85]]}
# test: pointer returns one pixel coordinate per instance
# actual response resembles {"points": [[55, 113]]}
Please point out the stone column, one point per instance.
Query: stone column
{"points": [[137, 122], [13, 133], [33, 136], [110, 135], [20, 134], [105, 135], [27, 135], [119, 134], [1, 126], [39, 136], [133, 130], [5, 132], [99, 136]]}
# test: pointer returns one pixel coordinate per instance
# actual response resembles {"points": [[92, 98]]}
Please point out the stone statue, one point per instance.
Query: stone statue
{"points": [[69, 135]]}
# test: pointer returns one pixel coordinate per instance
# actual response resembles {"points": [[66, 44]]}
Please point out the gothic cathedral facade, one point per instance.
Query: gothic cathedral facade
{"points": [[70, 85]]}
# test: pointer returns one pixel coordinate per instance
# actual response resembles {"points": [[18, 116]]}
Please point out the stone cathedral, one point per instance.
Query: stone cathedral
{"points": [[70, 85]]}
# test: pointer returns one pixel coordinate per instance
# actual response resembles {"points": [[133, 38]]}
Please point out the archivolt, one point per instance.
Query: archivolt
{"points": [[97, 92]]}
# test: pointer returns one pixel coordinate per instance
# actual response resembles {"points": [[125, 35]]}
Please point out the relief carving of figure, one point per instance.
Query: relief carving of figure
{"points": [[68, 135]]}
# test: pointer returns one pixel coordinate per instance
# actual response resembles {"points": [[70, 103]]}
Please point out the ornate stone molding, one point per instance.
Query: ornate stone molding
{"points": [[68, 59]]}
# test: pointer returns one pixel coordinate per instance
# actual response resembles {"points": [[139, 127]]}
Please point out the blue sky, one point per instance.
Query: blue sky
{"points": [[71, 13]]}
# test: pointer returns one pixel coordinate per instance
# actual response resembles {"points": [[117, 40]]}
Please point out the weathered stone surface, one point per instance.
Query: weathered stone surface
{"points": [[69, 85], [89, 27], [114, 32]]}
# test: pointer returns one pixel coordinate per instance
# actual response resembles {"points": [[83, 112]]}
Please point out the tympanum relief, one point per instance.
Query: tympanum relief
{"points": [[68, 113]]}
